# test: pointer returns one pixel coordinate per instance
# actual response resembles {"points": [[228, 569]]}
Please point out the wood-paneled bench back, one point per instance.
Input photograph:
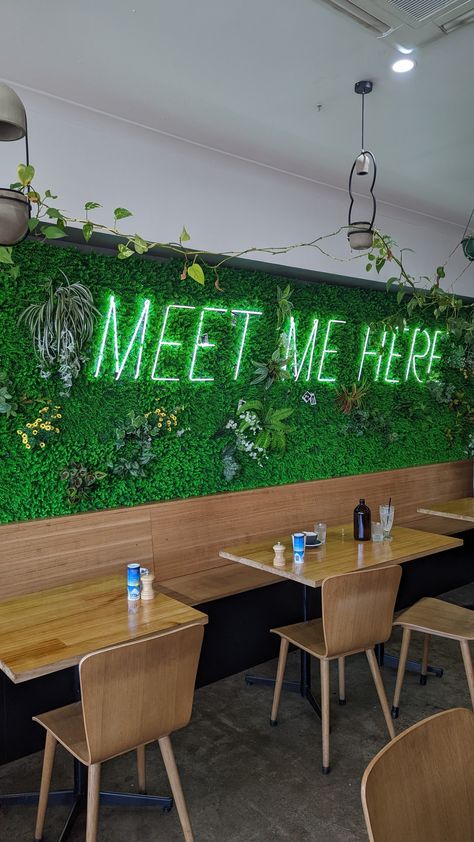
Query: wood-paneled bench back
{"points": [[181, 539]]}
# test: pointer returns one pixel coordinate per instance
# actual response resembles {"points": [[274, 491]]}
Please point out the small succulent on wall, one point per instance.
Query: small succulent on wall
{"points": [[352, 398], [269, 372], [81, 481], [61, 327]]}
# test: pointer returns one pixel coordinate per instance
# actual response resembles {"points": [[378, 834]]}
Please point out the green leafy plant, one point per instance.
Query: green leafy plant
{"points": [[284, 305], [81, 481], [61, 327], [268, 423], [134, 438], [366, 422], [271, 371], [352, 398], [8, 404]]}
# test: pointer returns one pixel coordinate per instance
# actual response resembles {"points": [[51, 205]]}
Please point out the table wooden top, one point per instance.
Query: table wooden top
{"points": [[47, 631], [456, 509], [340, 553]]}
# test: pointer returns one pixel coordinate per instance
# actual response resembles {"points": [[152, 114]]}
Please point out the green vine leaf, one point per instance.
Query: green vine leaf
{"points": [[52, 232], [6, 255], [87, 230], [184, 236], [195, 272], [91, 206], [26, 174], [122, 213], [123, 251]]}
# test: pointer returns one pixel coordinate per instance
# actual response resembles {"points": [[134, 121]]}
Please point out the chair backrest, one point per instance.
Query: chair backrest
{"points": [[421, 785], [358, 608], [139, 691]]}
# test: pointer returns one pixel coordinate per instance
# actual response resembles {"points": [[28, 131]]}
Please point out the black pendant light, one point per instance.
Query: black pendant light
{"points": [[361, 233], [14, 205]]}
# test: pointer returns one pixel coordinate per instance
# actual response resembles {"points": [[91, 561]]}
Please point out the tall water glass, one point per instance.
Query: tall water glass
{"points": [[386, 519]]}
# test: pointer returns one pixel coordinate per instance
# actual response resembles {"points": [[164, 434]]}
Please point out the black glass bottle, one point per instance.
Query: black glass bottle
{"points": [[362, 527]]}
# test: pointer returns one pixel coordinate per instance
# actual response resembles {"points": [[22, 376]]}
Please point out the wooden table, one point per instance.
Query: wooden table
{"points": [[340, 554], [455, 509], [44, 632]]}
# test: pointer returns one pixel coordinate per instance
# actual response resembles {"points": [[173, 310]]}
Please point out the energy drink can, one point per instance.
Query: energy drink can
{"points": [[133, 582]]}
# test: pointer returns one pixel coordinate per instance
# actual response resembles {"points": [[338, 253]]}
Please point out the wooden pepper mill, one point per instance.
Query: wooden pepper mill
{"points": [[279, 557], [147, 580]]}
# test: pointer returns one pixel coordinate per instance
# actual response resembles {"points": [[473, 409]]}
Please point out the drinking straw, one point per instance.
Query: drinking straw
{"points": [[389, 504]]}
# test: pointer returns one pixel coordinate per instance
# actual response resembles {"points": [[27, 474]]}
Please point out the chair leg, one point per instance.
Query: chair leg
{"points": [[424, 660], [93, 801], [342, 680], [141, 769], [279, 680], [374, 668], [401, 672], [48, 760], [175, 783], [466, 656], [324, 663]]}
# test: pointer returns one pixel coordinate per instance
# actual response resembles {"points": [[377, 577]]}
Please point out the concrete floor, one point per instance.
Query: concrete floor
{"points": [[245, 781]]}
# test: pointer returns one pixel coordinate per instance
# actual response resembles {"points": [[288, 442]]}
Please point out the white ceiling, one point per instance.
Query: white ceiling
{"points": [[246, 76]]}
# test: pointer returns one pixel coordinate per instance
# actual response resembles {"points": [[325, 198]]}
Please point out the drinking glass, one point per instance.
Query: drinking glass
{"points": [[299, 544], [386, 519], [377, 532], [321, 528]]}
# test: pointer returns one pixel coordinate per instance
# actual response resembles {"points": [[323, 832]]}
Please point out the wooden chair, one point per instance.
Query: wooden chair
{"points": [[131, 694], [357, 611], [420, 787], [441, 619]]}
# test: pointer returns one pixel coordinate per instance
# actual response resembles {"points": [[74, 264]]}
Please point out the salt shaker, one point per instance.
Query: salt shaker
{"points": [[279, 557], [147, 580]]}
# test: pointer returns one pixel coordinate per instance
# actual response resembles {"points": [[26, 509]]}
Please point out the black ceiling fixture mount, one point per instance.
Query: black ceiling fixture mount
{"points": [[361, 233]]}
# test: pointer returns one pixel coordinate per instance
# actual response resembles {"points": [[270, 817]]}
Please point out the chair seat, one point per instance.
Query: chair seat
{"points": [[433, 616], [67, 725], [308, 636]]}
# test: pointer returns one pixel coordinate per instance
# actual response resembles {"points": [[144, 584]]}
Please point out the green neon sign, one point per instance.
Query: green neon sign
{"points": [[390, 357]]}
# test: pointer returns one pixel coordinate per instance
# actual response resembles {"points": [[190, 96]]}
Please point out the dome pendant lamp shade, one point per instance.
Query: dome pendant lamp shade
{"points": [[360, 233], [12, 115], [15, 208]]}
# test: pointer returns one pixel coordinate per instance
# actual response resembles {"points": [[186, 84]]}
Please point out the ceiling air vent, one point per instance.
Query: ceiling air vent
{"points": [[407, 23]]}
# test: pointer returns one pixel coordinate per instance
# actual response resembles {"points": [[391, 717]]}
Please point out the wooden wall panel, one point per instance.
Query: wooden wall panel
{"points": [[184, 536], [38, 554], [187, 534]]}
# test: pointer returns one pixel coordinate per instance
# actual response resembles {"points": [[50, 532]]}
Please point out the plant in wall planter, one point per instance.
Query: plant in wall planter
{"points": [[134, 439], [38, 433], [352, 398], [8, 404], [81, 481], [275, 369], [256, 431], [61, 328]]}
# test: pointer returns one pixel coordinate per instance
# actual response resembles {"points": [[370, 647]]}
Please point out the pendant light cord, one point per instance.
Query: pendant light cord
{"points": [[363, 115]]}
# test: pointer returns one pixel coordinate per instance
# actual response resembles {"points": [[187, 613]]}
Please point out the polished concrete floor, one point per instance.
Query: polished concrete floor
{"points": [[245, 781]]}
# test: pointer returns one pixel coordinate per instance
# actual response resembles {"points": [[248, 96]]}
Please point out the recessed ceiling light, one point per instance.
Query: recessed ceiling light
{"points": [[403, 65]]}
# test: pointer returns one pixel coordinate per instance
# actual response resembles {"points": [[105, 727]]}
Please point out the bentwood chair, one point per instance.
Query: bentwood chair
{"points": [[132, 694], [434, 617], [420, 787], [357, 613]]}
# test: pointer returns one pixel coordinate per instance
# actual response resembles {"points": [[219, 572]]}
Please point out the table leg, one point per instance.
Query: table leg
{"points": [[303, 686]]}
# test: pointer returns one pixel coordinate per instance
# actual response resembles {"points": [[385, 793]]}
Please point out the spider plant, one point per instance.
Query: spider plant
{"points": [[61, 326]]}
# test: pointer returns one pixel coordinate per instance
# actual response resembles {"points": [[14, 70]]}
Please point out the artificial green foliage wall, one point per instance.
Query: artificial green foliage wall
{"points": [[407, 424]]}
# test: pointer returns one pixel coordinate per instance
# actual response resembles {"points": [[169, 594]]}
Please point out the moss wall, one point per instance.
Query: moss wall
{"points": [[403, 424]]}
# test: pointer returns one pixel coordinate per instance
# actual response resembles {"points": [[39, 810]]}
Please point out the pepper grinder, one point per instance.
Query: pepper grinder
{"points": [[147, 580], [279, 557]]}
